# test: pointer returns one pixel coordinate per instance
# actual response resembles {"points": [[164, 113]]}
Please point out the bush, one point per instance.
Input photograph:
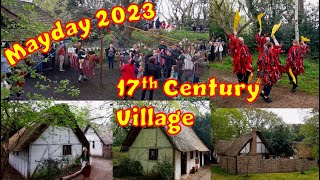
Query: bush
{"points": [[164, 169], [49, 169], [128, 168]]}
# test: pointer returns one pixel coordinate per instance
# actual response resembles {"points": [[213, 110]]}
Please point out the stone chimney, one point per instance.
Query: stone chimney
{"points": [[253, 148]]}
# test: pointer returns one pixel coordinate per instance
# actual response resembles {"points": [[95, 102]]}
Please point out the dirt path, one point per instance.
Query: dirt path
{"points": [[100, 169], [203, 174], [281, 96]]}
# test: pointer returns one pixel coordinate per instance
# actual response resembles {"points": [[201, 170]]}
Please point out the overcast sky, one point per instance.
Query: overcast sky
{"points": [[291, 115], [163, 7]]}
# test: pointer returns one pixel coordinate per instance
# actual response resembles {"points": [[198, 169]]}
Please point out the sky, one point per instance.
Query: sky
{"points": [[163, 6], [291, 115]]}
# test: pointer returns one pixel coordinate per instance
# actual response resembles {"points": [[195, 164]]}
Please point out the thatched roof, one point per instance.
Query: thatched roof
{"points": [[103, 132], [233, 148], [237, 145], [185, 141], [21, 139], [25, 136], [221, 146]]}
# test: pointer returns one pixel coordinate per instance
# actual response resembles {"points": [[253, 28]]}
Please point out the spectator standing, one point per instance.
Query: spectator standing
{"points": [[110, 53]]}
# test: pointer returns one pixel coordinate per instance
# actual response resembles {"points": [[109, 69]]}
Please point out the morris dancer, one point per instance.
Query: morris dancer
{"points": [[269, 67], [241, 58], [261, 42], [294, 64]]}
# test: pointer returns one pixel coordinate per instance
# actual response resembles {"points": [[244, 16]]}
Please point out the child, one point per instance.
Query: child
{"points": [[174, 72]]}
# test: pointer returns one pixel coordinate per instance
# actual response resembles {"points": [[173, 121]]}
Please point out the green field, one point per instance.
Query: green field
{"points": [[308, 82], [220, 174]]}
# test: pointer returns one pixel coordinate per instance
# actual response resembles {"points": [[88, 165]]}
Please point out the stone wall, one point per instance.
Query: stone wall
{"points": [[228, 164], [254, 164]]}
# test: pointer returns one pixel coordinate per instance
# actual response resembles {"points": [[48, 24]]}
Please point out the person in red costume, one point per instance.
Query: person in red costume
{"points": [[128, 72], [241, 58], [269, 67], [295, 62], [261, 40], [304, 49]]}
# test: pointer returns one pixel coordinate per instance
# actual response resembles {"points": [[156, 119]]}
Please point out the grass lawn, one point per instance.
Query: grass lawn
{"points": [[308, 82], [220, 174], [117, 156]]}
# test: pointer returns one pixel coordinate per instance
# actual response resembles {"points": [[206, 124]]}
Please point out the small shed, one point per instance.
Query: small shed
{"points": [[31, 146], [100, 140], [151, 145]]}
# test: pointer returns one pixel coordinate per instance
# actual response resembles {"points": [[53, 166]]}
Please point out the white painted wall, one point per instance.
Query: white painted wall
{"points": [[19, 161], [177, 165], [50, 144], [261, 148], [246, 149], [92, 137]]}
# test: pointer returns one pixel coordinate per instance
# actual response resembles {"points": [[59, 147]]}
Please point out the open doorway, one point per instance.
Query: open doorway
{"points": [[183, 163]]}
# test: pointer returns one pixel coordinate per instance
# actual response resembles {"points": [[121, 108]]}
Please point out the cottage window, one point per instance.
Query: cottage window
{"points": [[197, 154], [93, 145], [191, 155], [153, 154], [66, 150]]}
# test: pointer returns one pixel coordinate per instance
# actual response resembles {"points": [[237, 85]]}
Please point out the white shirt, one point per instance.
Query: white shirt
{"points": [[188, 64]]}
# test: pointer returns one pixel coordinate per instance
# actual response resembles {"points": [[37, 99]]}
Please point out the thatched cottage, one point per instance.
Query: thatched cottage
{"points": [[248, 144], [151, 145], [251, 153], [31, 146], [100, 139]]}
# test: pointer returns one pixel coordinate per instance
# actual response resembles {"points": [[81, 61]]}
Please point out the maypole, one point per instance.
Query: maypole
{"points": [[101, 55]]}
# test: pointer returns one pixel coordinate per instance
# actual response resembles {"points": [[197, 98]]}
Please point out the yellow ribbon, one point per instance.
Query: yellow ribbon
{"points": [[304, 39], [250, 77], [236, 21], [292, 76], [258, 81], [259, 19], [275, 28]]}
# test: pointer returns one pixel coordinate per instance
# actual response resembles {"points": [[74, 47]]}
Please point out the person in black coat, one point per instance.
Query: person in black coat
{"points": [[158, 23], [151, 69], [168, 59]]}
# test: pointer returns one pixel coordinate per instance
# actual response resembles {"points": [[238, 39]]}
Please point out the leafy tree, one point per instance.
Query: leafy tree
{"points": [[281, 140], [310, 130], [202, 128]]}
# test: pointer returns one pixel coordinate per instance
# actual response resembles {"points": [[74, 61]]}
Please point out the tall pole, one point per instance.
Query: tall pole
{"points": [[296, 22], [101, 54]]}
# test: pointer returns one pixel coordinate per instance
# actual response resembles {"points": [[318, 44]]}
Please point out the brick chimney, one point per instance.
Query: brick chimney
{"points": [[253, 148]]}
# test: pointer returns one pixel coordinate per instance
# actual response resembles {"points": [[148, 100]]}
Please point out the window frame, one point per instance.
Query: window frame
{"points": [[65, 152], [155, 158]]}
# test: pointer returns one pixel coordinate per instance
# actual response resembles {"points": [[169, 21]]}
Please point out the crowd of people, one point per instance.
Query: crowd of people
{"points": [[186, 64]]}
